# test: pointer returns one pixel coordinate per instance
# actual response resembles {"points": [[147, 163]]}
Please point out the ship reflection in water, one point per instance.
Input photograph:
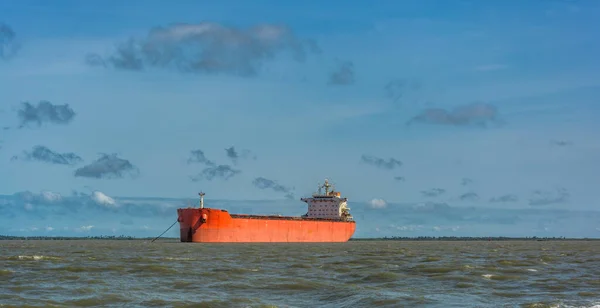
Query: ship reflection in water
{"points": [[328, 219]]}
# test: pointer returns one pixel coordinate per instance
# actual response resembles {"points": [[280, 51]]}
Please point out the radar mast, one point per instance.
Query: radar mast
{"points": [[326, 186], [201, 194]]}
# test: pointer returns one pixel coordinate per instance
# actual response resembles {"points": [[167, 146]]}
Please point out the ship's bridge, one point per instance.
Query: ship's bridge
{"points": [[328, 205]]}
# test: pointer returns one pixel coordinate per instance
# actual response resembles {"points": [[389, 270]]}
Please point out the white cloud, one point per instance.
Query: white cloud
{"points": [[377, 203], [409, 228], [85, 228], [49, 229], [101, 199], [51, 196], [445, 228]]}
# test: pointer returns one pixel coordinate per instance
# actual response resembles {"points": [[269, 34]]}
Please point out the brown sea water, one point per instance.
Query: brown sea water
{"points": [[166, 273]]}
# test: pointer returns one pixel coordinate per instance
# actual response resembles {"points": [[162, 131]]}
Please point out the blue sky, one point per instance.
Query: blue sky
{"points": [[489, 108]]}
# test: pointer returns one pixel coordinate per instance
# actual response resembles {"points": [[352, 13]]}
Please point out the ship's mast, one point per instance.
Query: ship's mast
{"points": [[201, 194], [326, 186]]}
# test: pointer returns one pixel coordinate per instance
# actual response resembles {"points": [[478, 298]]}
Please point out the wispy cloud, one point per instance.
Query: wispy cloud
{"points": [[505, 198], [198, 156], [44, 112], [398, 88], [434, 192], [235, 155], [264, 183], [541, 198], [478, 114], [343, 75], [8, 45], [561, 143], [466, 182], [212, 169], [108, 166], [389, 164], [207, 47], [216, 171], [44, 154], [470, 196]]}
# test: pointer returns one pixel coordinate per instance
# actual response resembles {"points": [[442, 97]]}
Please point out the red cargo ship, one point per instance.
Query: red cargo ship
{"points": [[328, 220]]}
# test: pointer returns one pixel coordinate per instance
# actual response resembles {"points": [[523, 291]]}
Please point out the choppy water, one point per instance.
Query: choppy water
{"points": [[355, 274]]}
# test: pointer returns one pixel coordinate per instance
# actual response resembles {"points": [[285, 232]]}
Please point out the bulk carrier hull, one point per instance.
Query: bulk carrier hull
{"points": [[207, 225]]}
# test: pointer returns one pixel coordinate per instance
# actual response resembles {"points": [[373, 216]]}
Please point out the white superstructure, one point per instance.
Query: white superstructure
{"points": [[329, 205]]}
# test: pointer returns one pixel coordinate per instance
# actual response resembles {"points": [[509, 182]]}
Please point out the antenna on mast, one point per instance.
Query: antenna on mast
{"points": [[201, 194], [326, 185]]}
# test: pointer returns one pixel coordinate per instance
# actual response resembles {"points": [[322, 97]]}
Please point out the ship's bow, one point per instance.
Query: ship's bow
{"points": [[187, 218]]}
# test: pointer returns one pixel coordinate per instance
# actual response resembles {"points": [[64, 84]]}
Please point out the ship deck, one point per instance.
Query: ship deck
{"points": [[278, 217], [272, 217]]}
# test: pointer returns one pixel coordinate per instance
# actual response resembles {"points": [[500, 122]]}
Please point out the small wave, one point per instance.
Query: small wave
{"points": [[514, 262], [434, 270], [156, 303], [510, 294], [300, 265], [299, 284], [235, 270], [541, 305], [431, 259], [178, 259], [381, 277], [464, 285], [33, 258], [85, 269], [5, 272], [560, 305], [235, 302], [150, 269], [82, 251], [501, 277], [185, 285], [105, 299], [587, 294], [458, 277], [555, 287], [20, 289], [379, 302]]}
